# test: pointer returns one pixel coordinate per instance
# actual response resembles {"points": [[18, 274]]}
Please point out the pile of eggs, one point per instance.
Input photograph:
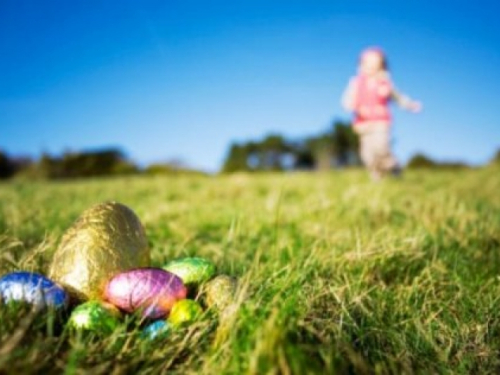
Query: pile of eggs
{"points": [[101, 270]]}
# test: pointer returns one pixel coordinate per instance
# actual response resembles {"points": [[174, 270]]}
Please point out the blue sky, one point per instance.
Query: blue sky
{"points": [[183, 79]]}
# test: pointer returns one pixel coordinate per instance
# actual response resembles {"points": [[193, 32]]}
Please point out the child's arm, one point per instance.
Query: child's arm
{"points": [[405, 102], [348, 97]]}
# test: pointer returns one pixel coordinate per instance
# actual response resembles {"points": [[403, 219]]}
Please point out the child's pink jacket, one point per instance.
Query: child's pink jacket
{"points": [[371, 102], [369, 98]]}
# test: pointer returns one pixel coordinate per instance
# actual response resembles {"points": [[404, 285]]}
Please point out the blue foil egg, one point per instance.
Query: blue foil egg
{"points": [[32, 288], [156, 330]]}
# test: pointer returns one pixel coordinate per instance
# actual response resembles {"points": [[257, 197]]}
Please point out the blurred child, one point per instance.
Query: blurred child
{"points": [[368, 95]]}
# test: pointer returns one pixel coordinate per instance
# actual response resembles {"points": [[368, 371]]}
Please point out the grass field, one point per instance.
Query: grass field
{"points": [[337, 275]]}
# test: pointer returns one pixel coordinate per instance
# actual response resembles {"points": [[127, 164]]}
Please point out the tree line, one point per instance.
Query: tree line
{"points": [[103, 162], [336, 147]]}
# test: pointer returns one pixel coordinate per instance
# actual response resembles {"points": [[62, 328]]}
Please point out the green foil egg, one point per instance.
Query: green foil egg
{"points": [[184, 312], [219, 292], [95, 316], [193, 271]]}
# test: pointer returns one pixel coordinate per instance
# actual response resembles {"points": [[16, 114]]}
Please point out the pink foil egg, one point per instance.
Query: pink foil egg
{"points": [[153, 291]]}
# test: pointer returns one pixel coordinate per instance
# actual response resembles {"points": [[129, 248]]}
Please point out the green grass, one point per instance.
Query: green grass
{"points": [[337, 275]]}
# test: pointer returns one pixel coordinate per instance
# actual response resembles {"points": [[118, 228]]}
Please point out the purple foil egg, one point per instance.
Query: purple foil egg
{"points": [[153, 291]]}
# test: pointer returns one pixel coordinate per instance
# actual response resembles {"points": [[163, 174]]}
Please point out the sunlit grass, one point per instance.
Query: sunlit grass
{"points": [[336, 274]]}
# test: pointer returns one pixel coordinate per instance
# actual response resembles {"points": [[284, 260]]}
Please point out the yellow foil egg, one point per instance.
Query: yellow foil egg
{"points": [[105, 240], [184, 312]]}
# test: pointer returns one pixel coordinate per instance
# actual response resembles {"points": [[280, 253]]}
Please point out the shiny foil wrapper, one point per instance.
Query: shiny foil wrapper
{"points": [[32, 288], [95, 316], [159, 329], [150, 291], [184, 312], [193, 271], [105, 240], [219, 292]]}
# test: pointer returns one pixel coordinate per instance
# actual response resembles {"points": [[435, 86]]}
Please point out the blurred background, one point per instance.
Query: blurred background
{"points": [[92, 88]]}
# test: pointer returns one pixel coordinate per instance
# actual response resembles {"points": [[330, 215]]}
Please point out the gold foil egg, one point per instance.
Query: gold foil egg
{"points": [[105, 240], [220, 291]]}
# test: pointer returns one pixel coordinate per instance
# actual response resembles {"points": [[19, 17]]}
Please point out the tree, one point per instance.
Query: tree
{"points": [[496, 158], [335, 147], [268, 154], [303, 156], [421, 161], [171, 167], [345, 144], [322, 150], [237, 159], [271, 152], [102, 162], [94, 163], [7, 169]]}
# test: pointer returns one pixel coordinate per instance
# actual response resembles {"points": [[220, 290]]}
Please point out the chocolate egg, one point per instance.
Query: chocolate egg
{"points": [[156, 330], [32, 288], [193, 271], [95, 316], [107, 239], [153, 291], [184, 312], [219, 292]]}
